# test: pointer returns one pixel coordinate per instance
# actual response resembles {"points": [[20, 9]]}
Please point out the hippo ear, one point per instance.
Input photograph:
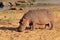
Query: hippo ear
{"points": [[21, 21]]}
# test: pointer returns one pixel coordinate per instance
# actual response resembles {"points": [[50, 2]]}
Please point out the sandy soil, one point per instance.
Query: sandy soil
{"points": [[9, 21]]}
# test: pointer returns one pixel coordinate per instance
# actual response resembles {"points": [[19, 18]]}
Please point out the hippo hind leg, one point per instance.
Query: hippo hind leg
{"points": [[49, 26]]}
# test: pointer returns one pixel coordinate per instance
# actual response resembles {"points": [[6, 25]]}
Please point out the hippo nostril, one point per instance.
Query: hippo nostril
{"points": [[19, 30]]}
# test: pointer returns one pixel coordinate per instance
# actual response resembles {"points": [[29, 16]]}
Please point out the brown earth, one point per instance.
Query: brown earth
{"points": [[9, 21]]}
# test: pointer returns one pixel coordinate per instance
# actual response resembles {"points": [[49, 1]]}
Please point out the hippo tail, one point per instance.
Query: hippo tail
{"points": [[51, 25]]}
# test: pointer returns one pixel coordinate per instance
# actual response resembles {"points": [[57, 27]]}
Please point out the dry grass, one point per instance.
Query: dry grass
{"points": [[10, 17]]}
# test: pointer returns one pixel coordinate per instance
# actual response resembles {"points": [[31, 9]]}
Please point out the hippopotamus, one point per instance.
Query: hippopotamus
{"points": [[36, 17]]}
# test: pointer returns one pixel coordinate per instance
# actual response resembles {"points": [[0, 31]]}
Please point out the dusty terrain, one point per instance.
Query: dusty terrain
{"points": [[9, 21]]}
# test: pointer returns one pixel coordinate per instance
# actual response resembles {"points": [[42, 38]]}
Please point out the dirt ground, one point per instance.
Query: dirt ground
{"points": [[9, 21]]}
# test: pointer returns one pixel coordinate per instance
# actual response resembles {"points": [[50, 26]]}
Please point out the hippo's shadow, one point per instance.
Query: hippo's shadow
{"points": [[8, 28], [12, 29], [15, 29]]}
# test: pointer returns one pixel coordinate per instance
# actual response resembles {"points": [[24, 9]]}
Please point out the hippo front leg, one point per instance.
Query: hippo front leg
{"points": [[32, 26]]}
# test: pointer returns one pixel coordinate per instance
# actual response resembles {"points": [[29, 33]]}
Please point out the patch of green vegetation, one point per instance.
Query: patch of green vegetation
{"points": [[33, 0]]}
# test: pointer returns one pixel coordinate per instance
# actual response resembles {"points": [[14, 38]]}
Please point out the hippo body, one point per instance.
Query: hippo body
{"points": [[39, 17]]}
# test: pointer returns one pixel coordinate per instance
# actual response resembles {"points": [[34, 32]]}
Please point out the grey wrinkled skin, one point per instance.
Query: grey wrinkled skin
{"points": [[39, 17]]}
